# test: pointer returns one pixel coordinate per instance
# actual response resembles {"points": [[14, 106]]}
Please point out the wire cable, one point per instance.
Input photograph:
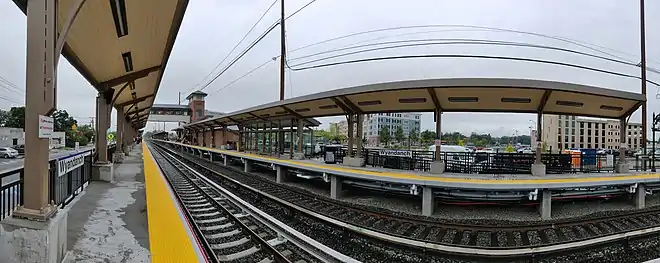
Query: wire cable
{"points": [[470, 56], [450, 42], [254, 43], [237, 44], [294, 13]]}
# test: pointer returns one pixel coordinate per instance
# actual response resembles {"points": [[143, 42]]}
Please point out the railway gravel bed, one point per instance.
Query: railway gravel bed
{"points": [[432, 230], [231, 234]]}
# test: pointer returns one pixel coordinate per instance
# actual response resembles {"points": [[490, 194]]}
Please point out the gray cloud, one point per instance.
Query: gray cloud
{"points": [[211, 28]]}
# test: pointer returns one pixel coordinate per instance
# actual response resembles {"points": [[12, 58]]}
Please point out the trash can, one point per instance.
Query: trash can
{"points": [[330, 153]]}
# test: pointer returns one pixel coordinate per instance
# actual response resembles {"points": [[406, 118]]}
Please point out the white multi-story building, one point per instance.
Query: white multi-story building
{"points": [[373, 123], [11, 137], [566, 132]]}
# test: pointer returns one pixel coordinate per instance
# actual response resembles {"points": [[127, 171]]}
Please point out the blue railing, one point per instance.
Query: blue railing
{"points": [[67, 177]]}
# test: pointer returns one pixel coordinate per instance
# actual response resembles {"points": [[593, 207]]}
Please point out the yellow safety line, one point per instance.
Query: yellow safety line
{"points": [[440, 178], [169, 241]]}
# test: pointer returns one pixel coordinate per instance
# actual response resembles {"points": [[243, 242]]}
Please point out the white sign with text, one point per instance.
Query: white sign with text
{"points": [[70, 163], [396, 153], [45, 127]]}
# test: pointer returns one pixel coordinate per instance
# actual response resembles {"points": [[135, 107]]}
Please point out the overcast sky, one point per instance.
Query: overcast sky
{"points": [[212, 27]]}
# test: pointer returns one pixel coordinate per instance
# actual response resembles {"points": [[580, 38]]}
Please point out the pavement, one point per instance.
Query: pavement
{"points": [[108, 223]]}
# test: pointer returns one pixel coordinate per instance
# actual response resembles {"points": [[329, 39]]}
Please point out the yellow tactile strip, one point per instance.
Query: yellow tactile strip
{"points": [[168, 236], [440, 178]]}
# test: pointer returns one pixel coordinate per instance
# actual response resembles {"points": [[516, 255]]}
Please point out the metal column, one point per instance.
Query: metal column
{"points": [[120, 129], [351, 124], [39, 100], [300, 132], [360, 120], [103, 122]]}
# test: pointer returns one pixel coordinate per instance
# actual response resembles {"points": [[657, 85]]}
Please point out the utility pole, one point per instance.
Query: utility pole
{"points": [[282, 51], [179, 98], [643, 67]]}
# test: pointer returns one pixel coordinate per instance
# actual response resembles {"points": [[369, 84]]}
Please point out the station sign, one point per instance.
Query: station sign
{"points": [[45, 127], [395, 153], [70, 163]]}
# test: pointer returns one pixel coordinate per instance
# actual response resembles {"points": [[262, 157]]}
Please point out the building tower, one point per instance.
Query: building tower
{"points": [[196, 104]]}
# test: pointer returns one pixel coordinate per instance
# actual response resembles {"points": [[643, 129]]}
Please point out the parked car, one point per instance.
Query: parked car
{"points": [[6, 152], [19, 148]]}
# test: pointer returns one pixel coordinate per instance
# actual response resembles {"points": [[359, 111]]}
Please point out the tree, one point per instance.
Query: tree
{"points": [[398, 134], [16, 118], [428, 136], [385, 136], [414, 135], [323, 134], [87, 131], [62, 121], [4, 116]]}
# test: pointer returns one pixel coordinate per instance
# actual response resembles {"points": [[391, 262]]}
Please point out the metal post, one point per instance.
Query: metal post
{"points": [[103, 123], [291, 141], [643, 68], [653, 130], [539, 147], [438, 134], [351, 124], [39, 100], [120, 129], [299, 132], [282, 52], [360, 119]]}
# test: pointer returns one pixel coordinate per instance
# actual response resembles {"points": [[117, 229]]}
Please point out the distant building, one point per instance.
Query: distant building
{"points": [[373, 123], [11, 136], [565, 132], [57, 140]]}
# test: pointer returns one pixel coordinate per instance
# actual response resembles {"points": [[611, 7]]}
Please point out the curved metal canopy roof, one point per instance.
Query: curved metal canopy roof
{"points": [[448, 95], [121, 47]]}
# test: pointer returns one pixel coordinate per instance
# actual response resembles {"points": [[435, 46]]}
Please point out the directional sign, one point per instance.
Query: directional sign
{"points": [[111, 136]]}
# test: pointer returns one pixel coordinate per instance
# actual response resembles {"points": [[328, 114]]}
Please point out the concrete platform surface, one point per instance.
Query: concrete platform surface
{"points": [[108, 223]]}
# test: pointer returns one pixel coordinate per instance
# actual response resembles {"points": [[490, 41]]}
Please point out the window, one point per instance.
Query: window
{"points": [[589, 141], [596, 132], [565, 138], [589, 145], [589, 125], [589, 132], [596, 140], [566, 146], [573, 131], [581, 124]]}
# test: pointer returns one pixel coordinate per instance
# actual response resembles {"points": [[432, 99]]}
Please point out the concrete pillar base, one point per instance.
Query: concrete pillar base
{"points": [[23, 240], [353, 161], [545, 207], [247, 166], [640, 196], [211, 157], [298, 156], [118, 157], [437, 167], [225, 161], [621, 168], [335, 187], [538, 169], [281, 174], [103, 172], [428, 201]]}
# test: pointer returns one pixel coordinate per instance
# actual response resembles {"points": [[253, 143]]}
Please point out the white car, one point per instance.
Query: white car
{"points": [[6, 152]]}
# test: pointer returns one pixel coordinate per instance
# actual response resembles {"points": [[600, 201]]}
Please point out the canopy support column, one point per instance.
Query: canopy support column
{"points": [[538, 168], [102, 169], [438, 165], [118, 156], [300, 152], [622, 166]]}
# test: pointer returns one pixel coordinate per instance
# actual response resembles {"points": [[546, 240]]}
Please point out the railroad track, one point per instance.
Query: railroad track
{"points": [[493, 241], [232, 231]]}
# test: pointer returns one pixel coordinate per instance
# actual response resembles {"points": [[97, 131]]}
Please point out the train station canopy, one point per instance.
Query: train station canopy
{"points": [[449, 95], [122, 46]]}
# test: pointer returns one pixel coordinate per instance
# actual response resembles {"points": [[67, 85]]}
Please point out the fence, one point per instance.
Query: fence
{"points": [[493, 163], [67, 177]]}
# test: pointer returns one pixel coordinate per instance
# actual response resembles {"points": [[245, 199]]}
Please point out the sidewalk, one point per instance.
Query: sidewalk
{"points": [[109, 221]]}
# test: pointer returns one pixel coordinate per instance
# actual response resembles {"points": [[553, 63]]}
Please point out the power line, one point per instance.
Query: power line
{"points": [[450, 41], [294, 13], [237, 44], [254, 43], [10, 100], [470, 56], [11, 85]]}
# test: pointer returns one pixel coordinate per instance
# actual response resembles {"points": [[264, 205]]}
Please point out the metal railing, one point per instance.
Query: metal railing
{"points": [[61, 189], [494, 163]]}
